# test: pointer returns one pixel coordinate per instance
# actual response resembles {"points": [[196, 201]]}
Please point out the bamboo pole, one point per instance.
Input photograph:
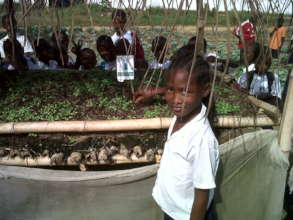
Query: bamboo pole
{"points": [[46, 161], [124, 125], [270, 109], [286, 128]]}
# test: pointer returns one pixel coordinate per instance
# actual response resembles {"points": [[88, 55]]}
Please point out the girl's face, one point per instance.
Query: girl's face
{"points": [[183, 100], [119, 24], [107, 54], [87, 60]]}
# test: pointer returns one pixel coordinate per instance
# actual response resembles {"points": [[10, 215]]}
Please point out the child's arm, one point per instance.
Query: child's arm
{"points": [[199, 206], [146, 93]]}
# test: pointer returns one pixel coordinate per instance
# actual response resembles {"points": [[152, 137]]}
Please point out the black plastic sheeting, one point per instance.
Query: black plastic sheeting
{"points": [[27, 199]]}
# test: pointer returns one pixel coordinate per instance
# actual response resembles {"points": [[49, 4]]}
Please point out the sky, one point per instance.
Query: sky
{"points": [[280, 4]]}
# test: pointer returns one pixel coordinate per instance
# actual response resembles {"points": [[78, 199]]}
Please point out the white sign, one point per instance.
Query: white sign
{"points": [[125, 68]]}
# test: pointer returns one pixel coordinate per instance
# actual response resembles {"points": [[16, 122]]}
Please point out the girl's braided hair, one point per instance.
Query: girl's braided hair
{"points": [[198, 71]]}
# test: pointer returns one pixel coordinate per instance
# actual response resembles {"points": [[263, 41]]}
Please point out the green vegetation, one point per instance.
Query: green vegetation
{"points": [[224, 108], [67, 95], [88, 95], [156, 111]]}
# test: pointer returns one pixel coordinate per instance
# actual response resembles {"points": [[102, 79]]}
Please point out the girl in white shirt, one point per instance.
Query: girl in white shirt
{"points": [[185, 182], [260, 82], [159, 49], [119, 19]]}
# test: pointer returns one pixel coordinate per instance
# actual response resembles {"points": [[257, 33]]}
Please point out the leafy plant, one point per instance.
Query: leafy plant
{"points": [[158, 110], [223, 107]]}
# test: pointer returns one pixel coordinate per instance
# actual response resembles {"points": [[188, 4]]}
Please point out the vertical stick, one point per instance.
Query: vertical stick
{"points": [[286, 128], [200, 28]]}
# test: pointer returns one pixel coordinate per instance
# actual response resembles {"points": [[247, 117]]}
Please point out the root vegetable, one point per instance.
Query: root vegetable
{"points": [[57, 159], [124, 151], [74, 158], [150, 155], [103, 156]]}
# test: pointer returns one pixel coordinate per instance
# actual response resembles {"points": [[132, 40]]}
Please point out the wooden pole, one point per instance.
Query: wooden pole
{"points": [[286, 128], [199, 44], [123, 125]]}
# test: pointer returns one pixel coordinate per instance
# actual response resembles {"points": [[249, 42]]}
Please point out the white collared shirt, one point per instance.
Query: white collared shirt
{"points": [[260, 85], [27, 47], [156, 65], [190, 160], [52, 65], [128, 36]]}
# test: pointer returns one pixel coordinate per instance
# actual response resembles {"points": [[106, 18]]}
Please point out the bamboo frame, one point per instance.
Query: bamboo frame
{"points": [[286, 128], [124, 125], [270, 109], [46, 161]]}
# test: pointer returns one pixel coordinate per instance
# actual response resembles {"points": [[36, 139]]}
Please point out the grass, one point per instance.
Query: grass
{"points": [[100, 15]]}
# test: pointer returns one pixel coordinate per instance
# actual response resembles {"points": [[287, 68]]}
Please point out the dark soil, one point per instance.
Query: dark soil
{"points": [[93, 95]]}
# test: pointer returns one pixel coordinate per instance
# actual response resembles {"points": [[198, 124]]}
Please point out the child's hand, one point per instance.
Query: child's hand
{"points": [[142, 94], [146, 93], [76, 47]]}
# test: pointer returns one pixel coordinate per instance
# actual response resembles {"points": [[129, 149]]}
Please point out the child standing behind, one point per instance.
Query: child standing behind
{"points": [[159, 48], [119, 19], [277, 38], [24, 42], [260, 82], [185, 183]]}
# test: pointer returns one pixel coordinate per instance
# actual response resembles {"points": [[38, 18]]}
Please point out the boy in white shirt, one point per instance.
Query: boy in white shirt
{"points": [[24, 42], [119, 19]]}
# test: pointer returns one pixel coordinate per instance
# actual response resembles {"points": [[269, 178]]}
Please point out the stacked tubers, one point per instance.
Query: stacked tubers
{"points": [[93, 156]]}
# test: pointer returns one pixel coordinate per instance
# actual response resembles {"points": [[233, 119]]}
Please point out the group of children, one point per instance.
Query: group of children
{"points": [[186, 178], [55, 55]]}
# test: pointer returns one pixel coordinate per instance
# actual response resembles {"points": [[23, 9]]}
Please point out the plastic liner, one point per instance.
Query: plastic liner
{"points": [[250, 185], [251, 178]]}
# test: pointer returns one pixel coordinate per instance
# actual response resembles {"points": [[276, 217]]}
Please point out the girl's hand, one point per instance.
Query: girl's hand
{"points": [[142, 94], [146, 93]]}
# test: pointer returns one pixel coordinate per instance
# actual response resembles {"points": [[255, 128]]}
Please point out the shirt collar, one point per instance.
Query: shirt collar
{"points": [[191, 124]]}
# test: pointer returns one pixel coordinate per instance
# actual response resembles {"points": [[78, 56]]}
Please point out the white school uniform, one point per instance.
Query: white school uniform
{"points": [[190, 161], [52, 65], [27, 47], [128, 36], [260, 84], [156, 65]]}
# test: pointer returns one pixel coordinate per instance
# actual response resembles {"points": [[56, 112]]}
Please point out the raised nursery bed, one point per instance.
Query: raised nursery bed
{"points": [[91, 105]]}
